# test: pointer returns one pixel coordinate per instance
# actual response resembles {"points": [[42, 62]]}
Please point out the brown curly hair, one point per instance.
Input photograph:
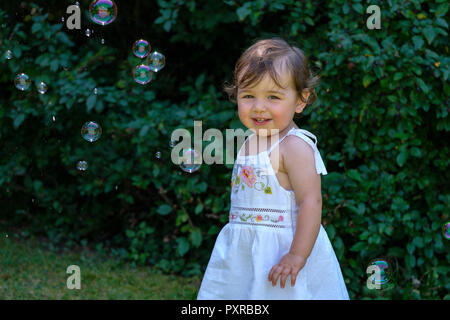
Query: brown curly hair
{"points": [[260, 58]]}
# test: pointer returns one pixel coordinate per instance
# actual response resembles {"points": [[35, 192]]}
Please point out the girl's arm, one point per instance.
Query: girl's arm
{"points": [[298, 162]]}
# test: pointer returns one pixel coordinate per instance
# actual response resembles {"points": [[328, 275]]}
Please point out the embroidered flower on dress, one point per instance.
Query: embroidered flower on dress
{"points": [[268, 190], [248, 176], [258, 218], [280, 218]]}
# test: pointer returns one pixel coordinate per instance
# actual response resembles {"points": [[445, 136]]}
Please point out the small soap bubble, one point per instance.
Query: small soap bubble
{"points": [[22, 81], [77, 4], [141, 48], [157, 61], [82, 165], [103, 12], [187, 161], [172, 143], [54, 119], [95, 91], [8, 54], [91, 131], [158, 154], [7, 236], [446, 230], [62, 19], [142, 74], [88, 32], [103, 41], [41, 87], [117, 187]]}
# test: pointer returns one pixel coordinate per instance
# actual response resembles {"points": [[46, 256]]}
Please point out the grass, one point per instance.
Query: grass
{"points": [[28, 271]]}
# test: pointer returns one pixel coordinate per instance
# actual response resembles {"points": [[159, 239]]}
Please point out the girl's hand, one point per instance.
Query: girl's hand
{"points": [[290, 264]]}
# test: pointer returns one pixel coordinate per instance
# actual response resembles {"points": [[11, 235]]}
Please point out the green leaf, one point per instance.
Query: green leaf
{"points": [[418, 42], [331, 230], [416, 152], [422, 85], [198, 208], [18, 120], [401, 158], [164, 209], [242, 13], [196, 237], [398, 76], [358, 246], [90, 102], [367, 80], [429, 34], [354, 174], [183, 246]]}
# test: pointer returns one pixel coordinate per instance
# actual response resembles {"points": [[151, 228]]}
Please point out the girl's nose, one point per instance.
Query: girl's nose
{"points": [[258, 105]]}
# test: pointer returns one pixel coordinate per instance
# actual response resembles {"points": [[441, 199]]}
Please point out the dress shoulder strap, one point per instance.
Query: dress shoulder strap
{"points": [[306, 135]]}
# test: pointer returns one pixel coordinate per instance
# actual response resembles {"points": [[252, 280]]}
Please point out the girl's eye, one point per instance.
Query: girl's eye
{"points": [[251, 96]]}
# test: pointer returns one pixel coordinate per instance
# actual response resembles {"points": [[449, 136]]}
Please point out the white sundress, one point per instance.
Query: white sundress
{"points": [[259, 233]]}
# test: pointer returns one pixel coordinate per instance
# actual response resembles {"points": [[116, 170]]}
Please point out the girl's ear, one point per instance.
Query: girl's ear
{"points": [[300, 104]]}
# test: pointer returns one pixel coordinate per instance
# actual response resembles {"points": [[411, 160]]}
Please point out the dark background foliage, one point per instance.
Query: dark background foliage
{"points": [[381, 119]]}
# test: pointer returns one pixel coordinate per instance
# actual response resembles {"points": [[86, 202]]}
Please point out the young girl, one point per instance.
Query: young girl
{"points": [[274, 230]]}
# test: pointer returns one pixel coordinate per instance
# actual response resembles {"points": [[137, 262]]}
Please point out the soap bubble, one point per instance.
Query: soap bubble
{"points": [[187, 161], [82, 165], [387, 273], [158, 154], [41, 87], [103, 12], [157, 61], [91, 131], [95, 91], [172, 143], [22, 81], [141, 48], [103, 41], [446, 230], [88, 32], [8, 54], [142, 74]]}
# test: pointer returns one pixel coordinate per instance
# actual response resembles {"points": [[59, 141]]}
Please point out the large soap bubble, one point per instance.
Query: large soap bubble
{"points": [[142, 74], [103, 12], [91, 131], [141, 48], [157, 61], [188, 161], [22, 81]]}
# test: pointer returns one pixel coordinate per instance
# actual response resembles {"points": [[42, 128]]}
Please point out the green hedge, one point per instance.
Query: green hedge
{"points": [[381, 119]]}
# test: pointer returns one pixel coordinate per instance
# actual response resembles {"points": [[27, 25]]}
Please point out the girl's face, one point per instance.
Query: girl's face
{"points": [[274, 105]]}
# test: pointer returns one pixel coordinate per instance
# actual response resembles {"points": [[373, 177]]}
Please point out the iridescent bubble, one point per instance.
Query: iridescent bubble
{"points": [[53, 118], [157, 61], [88, 32], [62, 19], [386, 278], [8, 54], [95, 91], [141, 48], [103, 41], [22, 81], [103, 12], [82, 165], [187, 163], [41, 87], [172, 143], [91, 131], [446, 230], [158, 154], [142, 74]]}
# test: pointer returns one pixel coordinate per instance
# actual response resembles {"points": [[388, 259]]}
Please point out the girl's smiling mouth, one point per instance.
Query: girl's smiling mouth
{"points": [[260, 121]]}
